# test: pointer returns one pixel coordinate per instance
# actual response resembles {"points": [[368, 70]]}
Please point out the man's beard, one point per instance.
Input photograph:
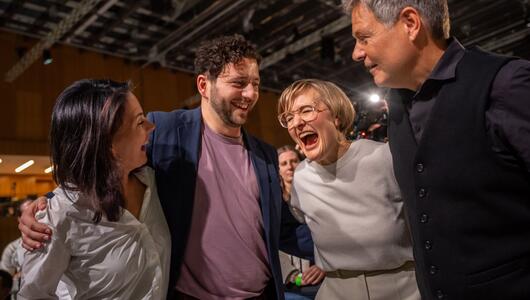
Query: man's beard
{"points": [[223, 110]]}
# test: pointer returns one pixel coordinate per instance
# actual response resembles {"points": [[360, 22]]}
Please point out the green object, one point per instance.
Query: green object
{"points": [[298, 280]]}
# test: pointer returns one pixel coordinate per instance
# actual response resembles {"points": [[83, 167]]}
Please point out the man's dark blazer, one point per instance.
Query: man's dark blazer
{"points": [[173, 152]]}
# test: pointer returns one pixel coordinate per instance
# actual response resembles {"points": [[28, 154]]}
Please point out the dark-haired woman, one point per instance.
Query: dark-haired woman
{"points": [[111, 240]]}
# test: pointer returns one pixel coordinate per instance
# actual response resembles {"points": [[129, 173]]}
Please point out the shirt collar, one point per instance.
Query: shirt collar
{"points": [[446, 67]]}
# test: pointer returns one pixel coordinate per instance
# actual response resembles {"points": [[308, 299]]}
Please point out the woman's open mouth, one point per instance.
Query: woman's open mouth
{"points": [[308, 138]]}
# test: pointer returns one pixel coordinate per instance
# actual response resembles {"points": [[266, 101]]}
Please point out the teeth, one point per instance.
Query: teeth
{"points": [[304, 134], [241, 105]]}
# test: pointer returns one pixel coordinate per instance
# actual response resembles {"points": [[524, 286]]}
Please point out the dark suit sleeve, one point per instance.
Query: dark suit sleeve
{"points": [[508, 117], [295, 237], [151, 118]]}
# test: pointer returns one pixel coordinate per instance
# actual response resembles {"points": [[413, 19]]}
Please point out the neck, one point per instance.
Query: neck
{"points": [[216, 124], [428, 57], [125, 180], [286, 193], [342, 146]]}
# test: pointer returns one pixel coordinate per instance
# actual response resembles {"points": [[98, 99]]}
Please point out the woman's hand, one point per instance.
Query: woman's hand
{"points": [[313, 275]]}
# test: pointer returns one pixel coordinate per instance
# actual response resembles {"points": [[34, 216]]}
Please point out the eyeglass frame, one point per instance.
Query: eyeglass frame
{"points": [[314, 109]]}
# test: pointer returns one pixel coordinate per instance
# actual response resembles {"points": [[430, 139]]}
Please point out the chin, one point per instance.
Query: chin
{"points": [[380, 82], [311, 155], [238, 119]]}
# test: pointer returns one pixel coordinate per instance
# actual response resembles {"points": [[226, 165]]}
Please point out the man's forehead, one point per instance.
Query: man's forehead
{"points": [[361, 14], [244, 67]]}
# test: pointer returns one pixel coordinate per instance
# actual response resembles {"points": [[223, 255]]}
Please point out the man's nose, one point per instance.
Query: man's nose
{"points": [[358, 53], [250, 91]]}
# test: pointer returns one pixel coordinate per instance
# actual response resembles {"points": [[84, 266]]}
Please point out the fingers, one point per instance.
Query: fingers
{"points": [[28, 243], [41, 203], [33, 233], [31, 227], [31, 246], [312, 276]]}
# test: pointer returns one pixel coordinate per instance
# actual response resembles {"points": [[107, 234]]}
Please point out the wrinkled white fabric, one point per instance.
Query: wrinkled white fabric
{"points": [[127, 259]]}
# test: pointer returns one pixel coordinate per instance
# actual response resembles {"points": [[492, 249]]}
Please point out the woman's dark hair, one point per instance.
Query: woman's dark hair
{"points": [[85, 119]]}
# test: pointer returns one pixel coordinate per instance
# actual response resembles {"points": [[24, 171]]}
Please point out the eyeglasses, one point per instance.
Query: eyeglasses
{"points": [[307, 113]]}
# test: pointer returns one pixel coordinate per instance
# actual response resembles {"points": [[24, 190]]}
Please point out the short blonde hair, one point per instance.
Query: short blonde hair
{"points": [[330, 94]]}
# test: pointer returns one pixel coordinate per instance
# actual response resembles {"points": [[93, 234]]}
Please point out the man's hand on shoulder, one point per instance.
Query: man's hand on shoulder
{"points": [[33, 233]]}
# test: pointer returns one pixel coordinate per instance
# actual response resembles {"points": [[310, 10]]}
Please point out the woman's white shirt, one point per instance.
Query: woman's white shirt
{"points": [[127, 259]]}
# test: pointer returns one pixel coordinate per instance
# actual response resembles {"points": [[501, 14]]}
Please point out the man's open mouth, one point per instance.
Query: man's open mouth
{"points": [[370, 67], [241, 105]]}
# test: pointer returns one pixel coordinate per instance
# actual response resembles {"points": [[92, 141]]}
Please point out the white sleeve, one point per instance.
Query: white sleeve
{"points": [[7, 263], [42, 269]]}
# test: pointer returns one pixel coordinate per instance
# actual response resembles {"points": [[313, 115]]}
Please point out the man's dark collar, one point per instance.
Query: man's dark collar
{"points": [[446, 67]]}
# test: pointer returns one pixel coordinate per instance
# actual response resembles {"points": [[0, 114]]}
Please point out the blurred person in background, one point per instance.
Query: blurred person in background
{"points": [[292, 266], [11, 260], [6, 283]]}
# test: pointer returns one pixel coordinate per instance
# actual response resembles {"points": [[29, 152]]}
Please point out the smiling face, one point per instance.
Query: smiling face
{"points": [[288, 161], [319, 139], [129, 142], [235, 92], [387, 52]]}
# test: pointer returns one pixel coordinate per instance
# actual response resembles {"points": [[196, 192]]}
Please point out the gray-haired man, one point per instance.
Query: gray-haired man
{"points": [[458, 130]]}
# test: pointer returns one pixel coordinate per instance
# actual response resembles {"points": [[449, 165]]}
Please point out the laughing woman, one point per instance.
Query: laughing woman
{"points": [[347, 195], [110, 238]]}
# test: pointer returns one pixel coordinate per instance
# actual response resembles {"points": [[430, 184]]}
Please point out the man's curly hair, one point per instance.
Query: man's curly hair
{"points": [[212, 56]]}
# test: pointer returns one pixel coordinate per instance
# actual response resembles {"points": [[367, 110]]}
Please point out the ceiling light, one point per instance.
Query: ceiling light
{"points": [[374, 98], [24, 166], [48, 170], [0, 160]]}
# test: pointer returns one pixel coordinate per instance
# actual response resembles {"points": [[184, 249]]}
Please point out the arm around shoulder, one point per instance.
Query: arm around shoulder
{"points": [[42, 269]]}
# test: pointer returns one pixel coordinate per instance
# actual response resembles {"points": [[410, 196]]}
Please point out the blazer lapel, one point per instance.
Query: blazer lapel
{"points": [[263, 176], [190, 138]]}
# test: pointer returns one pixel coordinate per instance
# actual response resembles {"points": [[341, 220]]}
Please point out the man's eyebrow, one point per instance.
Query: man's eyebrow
{"points": [[358, 32], [243, 77], [240, 77]]}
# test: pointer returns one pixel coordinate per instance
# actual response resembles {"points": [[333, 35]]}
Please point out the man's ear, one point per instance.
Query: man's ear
{"points": [[203, 85], [411, 21]]}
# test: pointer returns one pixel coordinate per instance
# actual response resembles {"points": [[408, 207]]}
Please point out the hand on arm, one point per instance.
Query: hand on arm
{"points": [[33, 232], [42, 269]]}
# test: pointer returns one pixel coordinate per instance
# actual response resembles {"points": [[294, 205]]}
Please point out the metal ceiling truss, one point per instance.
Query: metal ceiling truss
{"points": [[288, 33]]}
